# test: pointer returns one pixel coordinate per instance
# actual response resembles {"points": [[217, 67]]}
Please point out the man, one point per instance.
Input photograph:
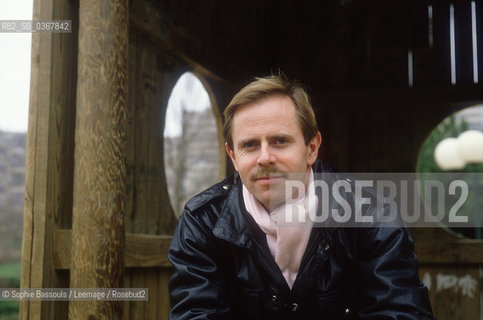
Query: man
{"points": [[234, 258]]}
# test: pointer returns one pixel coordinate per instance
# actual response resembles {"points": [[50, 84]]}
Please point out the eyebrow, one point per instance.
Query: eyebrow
{"points": [[288, 137], [281, 136], [241, 143]]}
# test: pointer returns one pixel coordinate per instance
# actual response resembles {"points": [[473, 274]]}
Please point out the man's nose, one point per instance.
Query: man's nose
{"points": [[266, 156]]}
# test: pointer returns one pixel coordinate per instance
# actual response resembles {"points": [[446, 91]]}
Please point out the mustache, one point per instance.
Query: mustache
{"points": [[263, 172]]}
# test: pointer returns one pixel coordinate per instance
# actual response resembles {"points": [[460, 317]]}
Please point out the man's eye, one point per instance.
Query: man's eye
{"points": [[250, 144], [281, 141]]}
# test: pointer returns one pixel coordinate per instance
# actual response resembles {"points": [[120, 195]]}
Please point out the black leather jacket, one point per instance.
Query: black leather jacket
{"points": [[224, 269]]}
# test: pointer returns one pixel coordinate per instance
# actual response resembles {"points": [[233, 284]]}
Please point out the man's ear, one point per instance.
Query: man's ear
{"points": [[231, 154], [313, 148]]}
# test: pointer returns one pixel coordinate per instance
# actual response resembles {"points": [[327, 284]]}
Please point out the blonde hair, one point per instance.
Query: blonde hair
{"points": [[260, 89]]}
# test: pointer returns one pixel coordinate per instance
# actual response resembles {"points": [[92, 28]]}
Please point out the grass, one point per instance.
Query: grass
{"points": [[9, 317], [9, 310], [9, 278], [10, 270]]}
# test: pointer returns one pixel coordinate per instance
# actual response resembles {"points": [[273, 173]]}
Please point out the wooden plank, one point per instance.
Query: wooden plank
{"points": [[138, 280], [458, 252], [151, 250], [147, 250], [164, 303], [126, 311], [141, 250], [442, 246], [454, 291], [61, 139], [152, 305], [156, 75], [479, 39], [423, 62], [40, 195], [389, 44], [49, 91], [61, 308], [62, 127], [30, 160], [63, 248], [176, 42], [128, 218], [463, 42], [441, 51]]}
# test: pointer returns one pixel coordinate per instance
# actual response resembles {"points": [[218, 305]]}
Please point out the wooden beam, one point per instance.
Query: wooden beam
{"points": [[37, 206], [457, 252], [440, 245], [100, 155], [142, 250], [428, 97], [145, 251], [49, 158], [174, 41]]}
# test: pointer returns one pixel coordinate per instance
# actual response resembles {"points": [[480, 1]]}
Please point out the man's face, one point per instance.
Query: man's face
{"points": [[269, 148]]}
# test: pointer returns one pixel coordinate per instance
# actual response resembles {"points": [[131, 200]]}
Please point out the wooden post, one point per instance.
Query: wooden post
{"points": [[50, 156], [100, 155]]}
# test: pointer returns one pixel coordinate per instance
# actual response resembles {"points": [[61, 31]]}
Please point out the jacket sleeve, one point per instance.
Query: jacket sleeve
{"points": [[389, 282], [197, 287]]}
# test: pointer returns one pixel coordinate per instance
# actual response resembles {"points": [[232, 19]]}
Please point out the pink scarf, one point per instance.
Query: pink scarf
{"points": [[287, 230]]}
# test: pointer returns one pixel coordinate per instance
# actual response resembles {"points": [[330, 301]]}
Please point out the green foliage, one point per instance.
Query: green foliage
{"points": [[9, 278], [9, 310]]}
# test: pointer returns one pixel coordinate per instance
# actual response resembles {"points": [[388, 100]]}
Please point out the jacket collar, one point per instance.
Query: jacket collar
{"points": [[232, 224]]}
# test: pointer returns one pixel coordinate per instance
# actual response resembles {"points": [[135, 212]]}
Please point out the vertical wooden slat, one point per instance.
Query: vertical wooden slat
{"points": [[100, 155], [423, 62], [49, 146], [126, 311], [441, 43], [479, 38], [138, 280], [152, 305], [389, 44], [62, 129], [128, 218], [464, 52], [60, 309], [130, 137], [32, 158], [64, 85], [454, 291], [49, 159], [155, 77], [164, 305], [360, 64]]}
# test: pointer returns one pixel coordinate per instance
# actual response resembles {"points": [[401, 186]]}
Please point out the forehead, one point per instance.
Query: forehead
{"points": [[271, 113]]}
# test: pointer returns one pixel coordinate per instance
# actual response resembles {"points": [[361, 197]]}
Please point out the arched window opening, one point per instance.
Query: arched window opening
{"points": [[191, 141], [456, 146]]}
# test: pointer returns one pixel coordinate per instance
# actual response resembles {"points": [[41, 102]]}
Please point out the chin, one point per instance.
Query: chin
{"points": [[274, 200]]}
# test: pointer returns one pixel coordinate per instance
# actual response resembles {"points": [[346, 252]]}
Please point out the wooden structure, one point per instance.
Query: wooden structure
{"points": [[97, 211]]}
